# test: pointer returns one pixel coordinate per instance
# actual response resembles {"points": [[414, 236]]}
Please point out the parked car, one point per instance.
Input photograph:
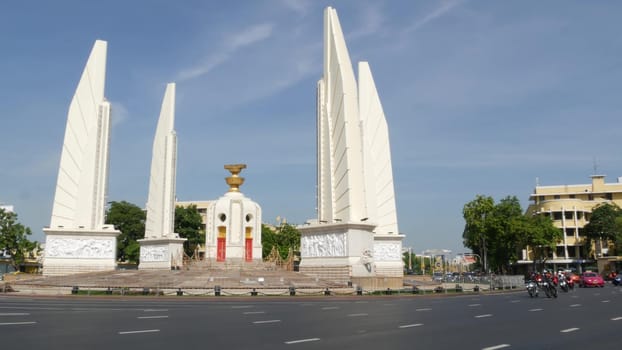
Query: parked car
{"points": [[437, 276], [617, 280], [591, 279]]}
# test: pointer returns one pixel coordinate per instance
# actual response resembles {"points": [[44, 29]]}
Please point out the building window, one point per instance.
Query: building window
{"points": [[556, 196], [542, 198], [608, 196], [560, 252], [572, 251], [568, 215], [579, 215], [573, 196], [580, 231], [557, 215], [590, 197], [569, 232]]}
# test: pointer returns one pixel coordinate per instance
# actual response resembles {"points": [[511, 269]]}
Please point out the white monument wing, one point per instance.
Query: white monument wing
{"points": [[161, 200], [82, 178]]}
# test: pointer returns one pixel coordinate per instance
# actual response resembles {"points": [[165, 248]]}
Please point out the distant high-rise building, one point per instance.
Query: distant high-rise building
{"points": [[570, 208]]}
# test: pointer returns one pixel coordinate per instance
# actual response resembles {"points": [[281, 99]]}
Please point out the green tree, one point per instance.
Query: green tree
{"points": [[605, 224], [284, 238], [496, 232], [14, 238], [130, 220], [188, 224], [476, 215]]}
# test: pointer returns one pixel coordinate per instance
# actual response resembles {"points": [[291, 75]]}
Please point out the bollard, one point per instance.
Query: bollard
{"points": [[359, 290], [415, 290], [145, 291], [179, 292], [75, 289], [476, 288], [108, 291], [217, 291], [292, 291], [254, 292], [326, 292], [388, 291]]}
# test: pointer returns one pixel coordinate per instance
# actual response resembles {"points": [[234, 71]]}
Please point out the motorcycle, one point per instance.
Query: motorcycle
{"points": [[563, 285], [532, 288], [549, 288]]}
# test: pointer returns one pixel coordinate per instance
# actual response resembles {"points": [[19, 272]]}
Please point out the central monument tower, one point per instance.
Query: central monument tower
{"points": [[355, 236]]}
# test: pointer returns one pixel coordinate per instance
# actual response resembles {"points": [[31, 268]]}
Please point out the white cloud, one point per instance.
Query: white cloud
{"points": [[439, 12], [118, 113], [231, 45]]}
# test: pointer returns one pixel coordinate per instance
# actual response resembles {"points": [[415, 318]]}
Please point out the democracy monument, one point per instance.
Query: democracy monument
{"points": [[354, 238]]}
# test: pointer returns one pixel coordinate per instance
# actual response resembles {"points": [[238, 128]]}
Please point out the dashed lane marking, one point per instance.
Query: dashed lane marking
{"points": [[473, 305], [515, 301], [266, 321], [411, 325], [357, 315], [148, 317], [495, 347], [301, 341], [535, 310], [605, 301], [575, 305], [242, 307], [616, 319], [16, 323], [330, 308], [155, 310], [141, 331], [424, 309], [569, 330], [253, 312], [482, 316]]}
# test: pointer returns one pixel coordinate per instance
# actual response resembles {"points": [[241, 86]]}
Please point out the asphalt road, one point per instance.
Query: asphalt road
{"points": [[580, 319]]}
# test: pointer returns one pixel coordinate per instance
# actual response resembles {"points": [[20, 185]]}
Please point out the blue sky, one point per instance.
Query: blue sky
{"points": [[481, 97]]}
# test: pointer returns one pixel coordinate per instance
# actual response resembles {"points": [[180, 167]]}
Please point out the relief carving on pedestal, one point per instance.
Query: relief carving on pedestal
{"points": [[154, 253], [328, 245], [80, 248], [387, 251]]}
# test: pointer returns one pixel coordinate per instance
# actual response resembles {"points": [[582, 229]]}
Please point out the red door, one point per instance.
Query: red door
{"points": [[222, 248], [249, 249]]}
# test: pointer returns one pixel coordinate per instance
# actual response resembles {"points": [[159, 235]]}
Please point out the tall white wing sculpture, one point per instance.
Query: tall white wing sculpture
{"points": [[162, 248], [78, 239]]}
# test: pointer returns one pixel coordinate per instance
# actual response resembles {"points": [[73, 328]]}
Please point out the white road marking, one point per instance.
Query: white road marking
{"points": [[148, 317], [242, 307], [569, 330], [361, 302], [16, 323], [143, 331], [357, 315], [482, 316], [500, 346], [267, 321], [575, 305], [411, 325], [605, 301], [616, 319], [534, 310], [424, 309], [330, 308], [14, 314], [253, 312], [473, 305], [515, 301], [301, 341], [155, 310]]}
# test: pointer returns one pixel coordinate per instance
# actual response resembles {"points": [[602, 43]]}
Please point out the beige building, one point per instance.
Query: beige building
{"points": [[570, 207]]}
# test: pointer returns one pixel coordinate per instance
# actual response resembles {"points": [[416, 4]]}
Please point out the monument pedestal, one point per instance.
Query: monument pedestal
{"points": [[161, 253], [70, 251], [337, 252], [351, 252]]}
